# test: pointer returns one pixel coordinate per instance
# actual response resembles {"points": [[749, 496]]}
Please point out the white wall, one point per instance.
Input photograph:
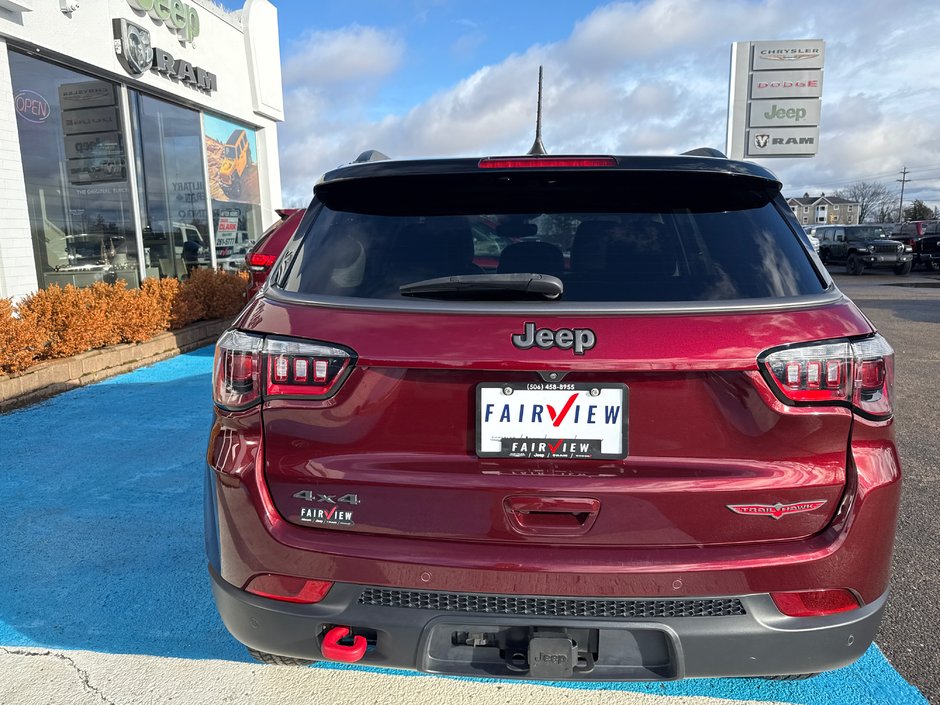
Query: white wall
{"points": [[17, 267], [245, 60]]}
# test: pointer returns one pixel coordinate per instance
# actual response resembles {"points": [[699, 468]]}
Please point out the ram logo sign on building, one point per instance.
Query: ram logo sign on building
{"points": [[775, 98]]}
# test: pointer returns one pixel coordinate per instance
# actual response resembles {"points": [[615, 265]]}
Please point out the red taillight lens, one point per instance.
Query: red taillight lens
{"points": [[237, 370], [300, 368], [287, 588], [874, 376], [545, 162], [814, 603], [260, 261], [818, 373], [858, 373]]}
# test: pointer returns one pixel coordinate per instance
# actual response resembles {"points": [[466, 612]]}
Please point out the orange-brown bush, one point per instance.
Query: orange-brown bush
{"points": [[20, 339], [206, 295], [57, 322], [73, 320]]}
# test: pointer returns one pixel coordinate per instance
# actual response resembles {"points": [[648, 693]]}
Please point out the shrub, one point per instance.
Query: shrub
{"points": [[20, 339], [207, 295], [58, 322], [73, 320]]}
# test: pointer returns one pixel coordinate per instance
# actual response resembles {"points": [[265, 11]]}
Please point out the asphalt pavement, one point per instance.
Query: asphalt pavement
{"points": [[906, 310], [104, 596]]}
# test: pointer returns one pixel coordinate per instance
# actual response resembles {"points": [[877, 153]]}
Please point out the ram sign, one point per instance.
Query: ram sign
{"points": [[775, 98]]}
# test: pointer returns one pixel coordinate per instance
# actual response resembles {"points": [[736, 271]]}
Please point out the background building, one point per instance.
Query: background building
{"points": [[137, 137], [824, 210]]}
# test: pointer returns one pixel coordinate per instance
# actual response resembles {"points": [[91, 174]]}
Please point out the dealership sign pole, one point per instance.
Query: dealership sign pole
{"points": [[775, 98]]}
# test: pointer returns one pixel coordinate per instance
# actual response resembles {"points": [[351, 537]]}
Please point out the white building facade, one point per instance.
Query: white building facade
{"points": [[137, 138]]}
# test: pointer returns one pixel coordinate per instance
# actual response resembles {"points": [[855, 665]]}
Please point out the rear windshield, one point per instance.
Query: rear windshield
{"points": [[604, 255]]}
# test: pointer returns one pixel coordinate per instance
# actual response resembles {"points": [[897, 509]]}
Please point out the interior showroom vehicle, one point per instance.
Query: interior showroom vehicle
{"points": [[643, 436]]}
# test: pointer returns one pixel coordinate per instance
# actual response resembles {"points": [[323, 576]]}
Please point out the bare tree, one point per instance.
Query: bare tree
{"points": [[871, 197]]}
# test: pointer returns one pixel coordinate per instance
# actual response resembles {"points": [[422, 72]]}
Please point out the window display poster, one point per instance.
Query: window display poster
{"points": [[231, 153]]}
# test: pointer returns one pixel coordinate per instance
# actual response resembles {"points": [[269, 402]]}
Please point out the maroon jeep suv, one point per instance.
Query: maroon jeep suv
{"points": [[649, 440]]}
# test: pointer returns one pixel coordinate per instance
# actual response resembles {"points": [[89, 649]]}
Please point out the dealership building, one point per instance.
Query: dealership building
{"points": [[137, 138]]}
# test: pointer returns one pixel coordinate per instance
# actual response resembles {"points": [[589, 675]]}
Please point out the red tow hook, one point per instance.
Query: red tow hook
{"points": [[335, 651]]}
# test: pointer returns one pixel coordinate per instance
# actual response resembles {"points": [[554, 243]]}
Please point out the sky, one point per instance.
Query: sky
{"points": [[438, 78]]}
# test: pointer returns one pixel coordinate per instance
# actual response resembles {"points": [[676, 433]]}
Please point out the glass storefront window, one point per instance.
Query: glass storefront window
{"points": [[168, 140], [74, 164], [232, 158]]}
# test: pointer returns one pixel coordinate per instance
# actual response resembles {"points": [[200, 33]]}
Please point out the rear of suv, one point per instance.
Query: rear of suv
{"points": [[860, 247], [616, 451]]}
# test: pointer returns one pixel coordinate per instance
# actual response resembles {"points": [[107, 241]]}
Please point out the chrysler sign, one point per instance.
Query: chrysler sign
{"points": [[798, 54]]}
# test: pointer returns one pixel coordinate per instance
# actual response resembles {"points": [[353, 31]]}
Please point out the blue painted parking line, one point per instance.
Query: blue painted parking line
{"points": [[102, 547]]}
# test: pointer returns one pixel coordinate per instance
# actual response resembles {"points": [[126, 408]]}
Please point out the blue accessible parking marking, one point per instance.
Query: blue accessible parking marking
{"points": [[102, 546]]}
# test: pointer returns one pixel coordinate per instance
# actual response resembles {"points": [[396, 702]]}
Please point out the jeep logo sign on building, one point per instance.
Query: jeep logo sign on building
{"points": [[175, 14], [775, 98]]}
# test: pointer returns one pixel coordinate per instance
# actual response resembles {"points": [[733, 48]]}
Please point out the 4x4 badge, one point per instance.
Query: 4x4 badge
{"points": [[312, 496], [777, 510]]}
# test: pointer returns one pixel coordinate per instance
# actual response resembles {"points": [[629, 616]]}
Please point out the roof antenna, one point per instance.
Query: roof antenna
{"points": [[538, 149]]}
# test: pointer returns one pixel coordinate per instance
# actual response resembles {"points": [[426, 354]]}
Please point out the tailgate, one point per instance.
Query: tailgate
{"points": [[686, 444]]}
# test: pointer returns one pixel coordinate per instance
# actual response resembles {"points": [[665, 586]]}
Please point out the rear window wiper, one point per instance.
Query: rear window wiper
{"points": [[487, 286]]}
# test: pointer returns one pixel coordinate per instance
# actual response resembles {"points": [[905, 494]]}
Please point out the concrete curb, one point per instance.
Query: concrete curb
{"points": [[55, 376]]}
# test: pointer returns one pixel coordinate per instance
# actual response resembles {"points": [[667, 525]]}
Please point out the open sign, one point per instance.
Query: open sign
{"points": [[31, 106]]}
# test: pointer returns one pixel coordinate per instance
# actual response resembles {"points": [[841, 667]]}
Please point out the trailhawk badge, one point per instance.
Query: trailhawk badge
{"points": [[776, 510]]}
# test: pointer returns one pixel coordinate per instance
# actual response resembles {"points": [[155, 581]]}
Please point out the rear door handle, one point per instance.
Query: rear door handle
{"points": [[551, 516]]}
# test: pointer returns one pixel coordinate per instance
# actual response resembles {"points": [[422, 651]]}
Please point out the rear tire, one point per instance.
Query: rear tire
{"points": [[795, 677], [904, 268], [855, 266], [264, 657]]}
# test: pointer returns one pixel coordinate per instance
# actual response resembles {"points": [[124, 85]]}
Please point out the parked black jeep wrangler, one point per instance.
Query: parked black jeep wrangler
{"points": [[923, 237], [861, 246]]}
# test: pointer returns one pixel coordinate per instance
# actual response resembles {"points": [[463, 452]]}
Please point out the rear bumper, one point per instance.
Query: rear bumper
{"points": [[753, 640]]}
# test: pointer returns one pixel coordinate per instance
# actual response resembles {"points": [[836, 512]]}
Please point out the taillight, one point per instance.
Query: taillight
{"points": [[545, 162], [857, 373], [237, 370], [874, 376], [814, 603], [304, 369], [259, 262], [248, 367], [287, 588]]}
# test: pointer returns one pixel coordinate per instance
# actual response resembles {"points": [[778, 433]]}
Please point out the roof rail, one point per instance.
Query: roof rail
{"points": [[705, 152], [370, 155]]}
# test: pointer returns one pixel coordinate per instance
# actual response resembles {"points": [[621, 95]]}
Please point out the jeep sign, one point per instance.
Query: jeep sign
{"points": [[784, 113], [175, 14]]}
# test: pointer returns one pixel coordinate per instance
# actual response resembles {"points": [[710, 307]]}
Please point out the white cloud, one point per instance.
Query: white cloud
{"points": [[647, 77], [349, 54]]}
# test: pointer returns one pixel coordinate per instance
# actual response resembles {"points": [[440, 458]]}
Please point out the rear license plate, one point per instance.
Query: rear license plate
{"points": [[552, 420]]}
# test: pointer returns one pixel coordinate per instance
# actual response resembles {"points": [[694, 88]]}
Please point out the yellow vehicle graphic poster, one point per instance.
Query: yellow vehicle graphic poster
{"points": [[231, 152]]}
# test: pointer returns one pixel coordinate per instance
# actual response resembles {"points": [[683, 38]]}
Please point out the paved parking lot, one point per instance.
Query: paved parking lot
{"points": [[104, 596], [909, 317]]}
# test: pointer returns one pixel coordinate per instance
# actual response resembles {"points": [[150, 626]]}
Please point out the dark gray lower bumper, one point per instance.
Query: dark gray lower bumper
{"points": [[759, 643]]}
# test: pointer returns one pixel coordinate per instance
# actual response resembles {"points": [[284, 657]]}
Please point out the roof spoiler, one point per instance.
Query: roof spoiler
{"points": [[370, 155], [705, 152]]}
